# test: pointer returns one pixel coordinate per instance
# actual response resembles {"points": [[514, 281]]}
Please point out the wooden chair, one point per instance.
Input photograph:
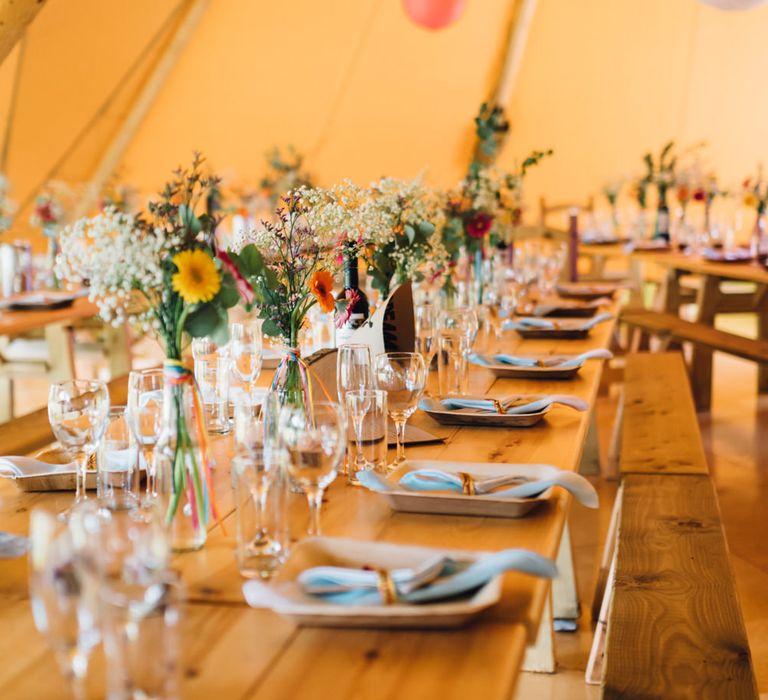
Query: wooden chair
{"points": [[669, 623], [547, 210]]}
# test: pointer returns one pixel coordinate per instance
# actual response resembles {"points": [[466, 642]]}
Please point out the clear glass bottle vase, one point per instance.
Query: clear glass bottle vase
{"points": [[182, 487]]}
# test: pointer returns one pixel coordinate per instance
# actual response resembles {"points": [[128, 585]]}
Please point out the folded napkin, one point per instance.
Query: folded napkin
{"points": [[12, 546], [438, 480], [53, 462], [543, 323], [520, 361], [509, 407], [363, 587]]}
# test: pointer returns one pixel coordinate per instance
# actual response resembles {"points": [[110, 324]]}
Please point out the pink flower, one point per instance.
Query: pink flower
{"points": [[352, 297], [243, 285], [479, 224]]}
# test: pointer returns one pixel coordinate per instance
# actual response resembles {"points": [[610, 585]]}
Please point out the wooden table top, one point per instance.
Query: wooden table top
{"points": [[745, 271], [16, 322], [230, 650]]}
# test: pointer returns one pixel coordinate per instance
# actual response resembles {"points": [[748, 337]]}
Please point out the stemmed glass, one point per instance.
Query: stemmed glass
{"points": [[353, 369], [77, 411], [314, 438], [145, 416], [256, 415], [425, 320], [403, 375], [247, 350], [64, 607]]}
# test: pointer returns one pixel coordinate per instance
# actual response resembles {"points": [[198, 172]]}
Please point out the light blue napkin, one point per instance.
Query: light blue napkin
{"points": [[424, 480], [534, 406], [542, 323], [454, 579], [12, 546], [518, 361]]}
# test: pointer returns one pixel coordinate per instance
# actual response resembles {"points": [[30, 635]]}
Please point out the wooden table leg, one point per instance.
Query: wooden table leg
{"points": [[61, 352], [701, 359], [117, 347]]}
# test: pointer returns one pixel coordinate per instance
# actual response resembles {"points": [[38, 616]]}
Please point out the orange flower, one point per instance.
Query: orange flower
{"points": [[321, 285]]}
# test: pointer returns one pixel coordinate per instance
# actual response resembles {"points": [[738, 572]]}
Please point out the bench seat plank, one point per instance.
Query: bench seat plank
{"points": [[676, 629], [661, 433]]}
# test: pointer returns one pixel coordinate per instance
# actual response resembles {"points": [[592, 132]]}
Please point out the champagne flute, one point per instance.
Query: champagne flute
{"points": [[64, 604], [353, 369], [426, 332], [247, 350], [314, 438], [145, 416], [403, 375], [77, 411]]}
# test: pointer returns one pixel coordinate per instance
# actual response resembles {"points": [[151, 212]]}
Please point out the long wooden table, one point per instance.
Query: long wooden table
{"points": [[57, 329], [232, 651]]}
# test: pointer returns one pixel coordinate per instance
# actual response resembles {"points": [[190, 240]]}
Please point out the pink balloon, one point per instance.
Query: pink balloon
{"points": [[434, 14]]}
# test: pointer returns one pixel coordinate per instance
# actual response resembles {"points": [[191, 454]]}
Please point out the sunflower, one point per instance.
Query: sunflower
{"points": [[197, 278], [321, 285]]}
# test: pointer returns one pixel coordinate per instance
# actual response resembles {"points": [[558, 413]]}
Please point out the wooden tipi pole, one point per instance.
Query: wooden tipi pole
{"points": [[15, 15]]}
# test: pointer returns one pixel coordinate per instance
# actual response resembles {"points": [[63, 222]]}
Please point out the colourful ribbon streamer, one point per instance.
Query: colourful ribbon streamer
{"points": [[177, 374]]}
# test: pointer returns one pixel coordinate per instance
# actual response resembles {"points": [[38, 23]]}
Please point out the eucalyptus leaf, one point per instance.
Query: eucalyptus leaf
{"points": [[270, 328], [249, 260]]}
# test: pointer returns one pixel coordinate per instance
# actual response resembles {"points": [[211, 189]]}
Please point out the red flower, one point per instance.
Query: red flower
{"points": [[699, 195], [342, 317], [479, 224], [45, 213], [243, 285]]}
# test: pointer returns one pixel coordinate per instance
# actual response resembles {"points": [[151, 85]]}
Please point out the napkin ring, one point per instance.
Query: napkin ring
{"points": [[467, 484], [386, 586]]}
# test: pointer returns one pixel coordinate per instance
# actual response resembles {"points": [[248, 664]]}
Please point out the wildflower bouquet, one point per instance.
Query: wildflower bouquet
{"points": [[7, 206], [284, 174], [755, 196], [48, 211], [398, 224], [159, 268], [289, 265]]}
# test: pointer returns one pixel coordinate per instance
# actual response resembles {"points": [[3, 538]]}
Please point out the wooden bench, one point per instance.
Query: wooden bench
{"points": [[670, 624], [707, 339]]}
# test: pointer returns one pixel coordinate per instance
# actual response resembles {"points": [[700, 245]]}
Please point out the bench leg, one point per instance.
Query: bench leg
{"points": [[614, 451], [762, 334], [608, 551], [565, 598], [590, 458], [540, 656], [701, 378], [594, 673]]}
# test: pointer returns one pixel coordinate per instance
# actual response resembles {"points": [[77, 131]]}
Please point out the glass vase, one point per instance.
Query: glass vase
{"points": [[291, 382], [759, 242], [182, 486], [51, 233]]}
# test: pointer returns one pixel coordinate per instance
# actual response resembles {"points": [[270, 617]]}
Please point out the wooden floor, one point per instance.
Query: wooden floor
{"points": [[736, 438]]}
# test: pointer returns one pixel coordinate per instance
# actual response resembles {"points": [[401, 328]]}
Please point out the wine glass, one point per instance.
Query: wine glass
{"points": [[462, 320], [64, 604], [353, 369], [425, 319], [403, 376], [145, 416], [247, 350], [314, 438], [253, 465], [77, 411]]}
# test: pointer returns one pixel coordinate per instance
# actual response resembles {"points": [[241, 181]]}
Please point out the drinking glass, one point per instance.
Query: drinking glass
{"points": [[246, 348], [425, 318], [463, 320], [314, 437], [77, 411], [145, 416], [353, 369], [367, 418], [260, 486], [64, 607], [123, 551], [118, 458], [212, 376], [452, 364], [403, 376]]}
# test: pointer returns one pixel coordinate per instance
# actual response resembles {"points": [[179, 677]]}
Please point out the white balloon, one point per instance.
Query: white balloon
{"points": [[734, 4]]}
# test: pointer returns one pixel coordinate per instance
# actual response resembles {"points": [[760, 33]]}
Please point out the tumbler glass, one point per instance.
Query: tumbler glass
{"points": [[212, 376]]}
